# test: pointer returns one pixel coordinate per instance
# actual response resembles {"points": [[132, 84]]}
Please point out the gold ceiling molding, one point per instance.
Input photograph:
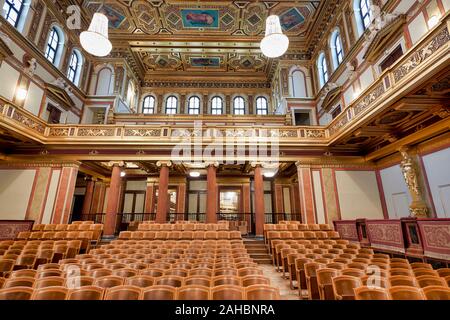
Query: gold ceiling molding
{"points": [[39, 163], [384, 38], [335, 162]]}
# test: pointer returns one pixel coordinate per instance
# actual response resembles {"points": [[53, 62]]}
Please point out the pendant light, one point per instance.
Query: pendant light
{"points": [[95, 40], [275, 43]]}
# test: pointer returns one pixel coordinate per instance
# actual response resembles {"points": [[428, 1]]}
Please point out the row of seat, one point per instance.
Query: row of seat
{"points": [[180, 235], [91, 235], [300, 235], [158, 292], [80, 226], [184, 227], [402, 293], [297, 226], [145, 278], [328, 276]]}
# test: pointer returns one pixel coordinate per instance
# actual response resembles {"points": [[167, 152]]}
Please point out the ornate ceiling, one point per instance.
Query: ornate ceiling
{"points": [[174, 40]]}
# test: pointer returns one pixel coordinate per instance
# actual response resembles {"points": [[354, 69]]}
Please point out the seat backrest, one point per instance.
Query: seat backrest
{"points": [[325, 276], [125, 292], [86, 293], [366, 293], [343, 286], [436, 293], [262, 292], [227, 292], [50, 293], [425, 281], [18, 293], [159, 292], [193, 292], [109, 282], [405, 293]]}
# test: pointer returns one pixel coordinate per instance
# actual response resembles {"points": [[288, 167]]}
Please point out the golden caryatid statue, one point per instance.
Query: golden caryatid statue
{"points": [[418, 208]]}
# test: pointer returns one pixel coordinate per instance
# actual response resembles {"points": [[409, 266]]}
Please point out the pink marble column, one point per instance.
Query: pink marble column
{"points": [[88, 197], [113, 201], [163, 197], [259, 201], [211, 199]]}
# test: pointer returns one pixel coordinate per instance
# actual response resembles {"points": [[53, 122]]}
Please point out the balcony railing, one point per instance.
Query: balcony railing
{"points": [[421, 62]]}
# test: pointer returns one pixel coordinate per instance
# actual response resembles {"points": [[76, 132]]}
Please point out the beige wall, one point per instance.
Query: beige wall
{"points": [[15, 191], [359, 195]]}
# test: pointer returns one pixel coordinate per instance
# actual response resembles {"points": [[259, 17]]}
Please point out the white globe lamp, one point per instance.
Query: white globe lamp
{"points": [[95, 40], [275, 43]]}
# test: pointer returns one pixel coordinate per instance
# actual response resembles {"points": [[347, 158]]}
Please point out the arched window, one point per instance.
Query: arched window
{"points": [[75, 66], [364, 7], [55, 44], [336, 49], [262, 106], [13, 10], [239, 106], [217, 105], [171, 105], [323, 70], [148, 105], [194, 105]]}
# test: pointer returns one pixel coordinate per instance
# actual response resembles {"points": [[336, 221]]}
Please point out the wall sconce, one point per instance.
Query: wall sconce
{"points": [[21, 94], [434, 20], [122, 174]]}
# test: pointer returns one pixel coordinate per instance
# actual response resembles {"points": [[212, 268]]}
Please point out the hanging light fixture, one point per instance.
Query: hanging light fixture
{"points": [[275, 43], [95, 40]]}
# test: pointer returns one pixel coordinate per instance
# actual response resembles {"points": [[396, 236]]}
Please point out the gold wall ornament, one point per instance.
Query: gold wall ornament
{"points": [[410, 171]]}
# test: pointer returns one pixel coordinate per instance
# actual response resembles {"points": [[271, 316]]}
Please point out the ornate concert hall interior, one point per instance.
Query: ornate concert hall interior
{"points": [[302, 149]]}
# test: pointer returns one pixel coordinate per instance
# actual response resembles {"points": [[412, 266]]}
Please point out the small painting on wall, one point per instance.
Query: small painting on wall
{"points": [[205, 62], [194, 18], [291, 19]]}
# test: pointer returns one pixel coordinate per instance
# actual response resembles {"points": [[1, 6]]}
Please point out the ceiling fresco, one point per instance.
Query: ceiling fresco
{"points": [[203, 39]]}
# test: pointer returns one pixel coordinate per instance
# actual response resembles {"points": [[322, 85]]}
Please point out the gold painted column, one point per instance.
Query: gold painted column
{"points": [[211, 199], [88, 196], [259, 200], [411, 173], [163, 197], [113, 199]]}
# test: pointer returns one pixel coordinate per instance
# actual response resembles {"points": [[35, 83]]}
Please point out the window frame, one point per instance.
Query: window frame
{"points": [[173, 108], [365, 5], [214, 107], [338, 50], [75, 70], [241, 106], [54, 34], [194, 103], [146, 106], [259, 110], [11, 7]]}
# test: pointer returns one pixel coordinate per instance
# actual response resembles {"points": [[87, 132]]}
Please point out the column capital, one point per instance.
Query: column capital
{"points": [[164, 163], [265, 165], [116, 164], [299, 165], [211, 164]]}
